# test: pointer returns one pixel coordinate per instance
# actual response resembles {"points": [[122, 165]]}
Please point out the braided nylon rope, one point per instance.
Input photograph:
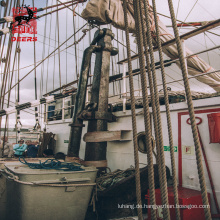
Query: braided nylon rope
{"points": [[164, 193], [134, 123], [192, 115], [175, 190], [147, 123]]}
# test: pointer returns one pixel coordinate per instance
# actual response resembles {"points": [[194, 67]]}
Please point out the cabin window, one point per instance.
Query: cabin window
{"points": [[60, 109]]}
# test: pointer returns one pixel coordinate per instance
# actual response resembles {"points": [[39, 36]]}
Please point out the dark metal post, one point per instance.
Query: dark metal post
{"points": [[100, 90], [77, 124], [99, 95]]}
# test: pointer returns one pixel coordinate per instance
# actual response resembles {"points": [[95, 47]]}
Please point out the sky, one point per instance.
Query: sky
{"points": [[59, 70]]}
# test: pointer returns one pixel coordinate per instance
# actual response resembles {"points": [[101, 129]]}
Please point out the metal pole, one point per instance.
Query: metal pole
{"points": [[99, 95], [77, 124]]}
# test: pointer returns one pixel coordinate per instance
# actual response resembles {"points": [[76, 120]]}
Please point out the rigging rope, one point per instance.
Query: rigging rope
{"points": [[3, 79], [177, 8], [29, 112], [35, 103], [58, 41], [18, 122], [147, 123], [158, 126], [5, 76], [206, 49], [37, 125], [66, 43], [119, 83], [75, 48], [182, 22], [4, 83], [54, 58], [76, 42], [75, 3], [189, 12], [74, 13], [43, 53], [134, 123], [154, 119], [175, 190], [62, 3], [48, 60], [5, 12], [7, 30], [192, 115], [7, 19], [68, 7]]}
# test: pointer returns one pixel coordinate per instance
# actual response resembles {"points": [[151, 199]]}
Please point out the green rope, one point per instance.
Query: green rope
{"points": [[52, 164]]}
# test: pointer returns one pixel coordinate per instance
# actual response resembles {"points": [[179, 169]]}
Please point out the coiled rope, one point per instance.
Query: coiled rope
{"points": [[52, 164], [109, 179]]}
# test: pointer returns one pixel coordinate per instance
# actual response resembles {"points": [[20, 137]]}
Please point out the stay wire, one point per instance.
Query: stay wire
{"points": [[189, 12], [48, 60], [75, 48], [58, 39], [43, 54]]}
